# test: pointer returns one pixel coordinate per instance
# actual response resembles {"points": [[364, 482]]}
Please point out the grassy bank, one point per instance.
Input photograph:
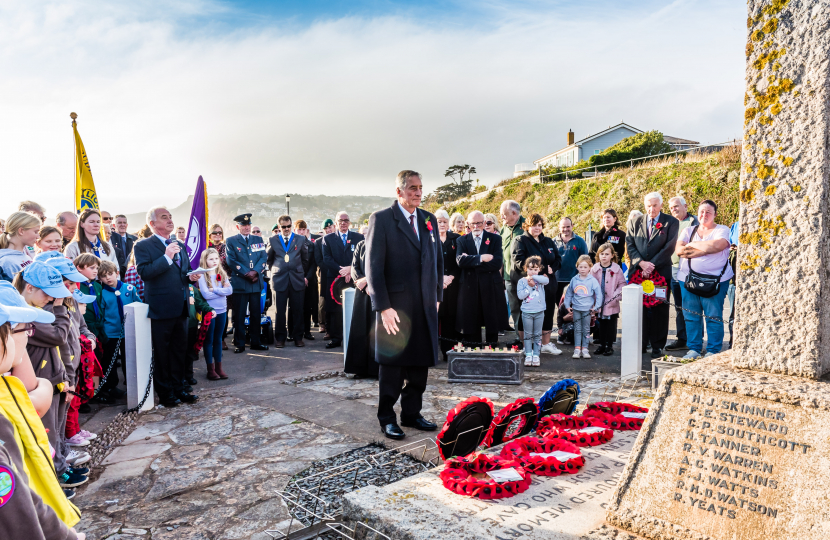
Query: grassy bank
{"points": [[713, 176]]}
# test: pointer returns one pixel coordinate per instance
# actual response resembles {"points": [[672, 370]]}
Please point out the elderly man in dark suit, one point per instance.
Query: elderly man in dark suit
{"points": [[328, 228], [338, 252], [481, 296], [650, 243], [405, 275], [288, 261], [245, 255], [162, 264]]}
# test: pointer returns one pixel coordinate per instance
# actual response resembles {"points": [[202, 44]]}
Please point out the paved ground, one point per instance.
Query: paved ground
{"points": [[211, 471]]}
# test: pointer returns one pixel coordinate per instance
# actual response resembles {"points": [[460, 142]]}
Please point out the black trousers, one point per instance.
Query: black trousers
{"points": [[169, 347], [606, 331], [310, 306], [112, 355], [334, 322], [281, 298], [190, 354], [656, 323], [242, 302], [679, 321], [391, 387]]}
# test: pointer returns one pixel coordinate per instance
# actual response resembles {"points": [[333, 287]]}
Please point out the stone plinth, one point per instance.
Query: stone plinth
{"points": [[784, 276], [485, 367], [554, 508], [730, 454]]}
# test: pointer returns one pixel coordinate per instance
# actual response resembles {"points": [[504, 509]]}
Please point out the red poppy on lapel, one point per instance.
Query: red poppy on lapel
{"points": [[487, 242], [658, 225], [550, 250], [348, 241], [429, 224]]}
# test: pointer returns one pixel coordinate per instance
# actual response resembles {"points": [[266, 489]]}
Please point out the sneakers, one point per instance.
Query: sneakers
{"points": [[69, 494], [536, 361], [67, 480], [88, 435], [528, 360], [77, 457], [577, 352], [707, 355], [691, 355], [550, 348], [585, 353], [77, 440], [84, 471]]}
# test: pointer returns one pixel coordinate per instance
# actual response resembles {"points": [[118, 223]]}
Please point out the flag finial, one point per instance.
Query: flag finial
{"points": [[73, 116]]}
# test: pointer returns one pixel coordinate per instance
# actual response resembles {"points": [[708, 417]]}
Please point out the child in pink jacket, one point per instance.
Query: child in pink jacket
{"points": [[611, 280]]}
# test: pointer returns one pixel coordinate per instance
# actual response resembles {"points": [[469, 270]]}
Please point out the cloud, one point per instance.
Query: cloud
{"points": [[166, 92]]}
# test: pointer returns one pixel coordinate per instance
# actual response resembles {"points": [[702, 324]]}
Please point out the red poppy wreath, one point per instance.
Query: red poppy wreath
{"points": [[465, 427], [544, 457], [620, 416], [468, 476], [513, 421], [649, 300], [584, 431]]}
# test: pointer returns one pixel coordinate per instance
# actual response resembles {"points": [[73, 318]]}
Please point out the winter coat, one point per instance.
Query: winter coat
{"points": [[13, 261], [614, 282], [44, 346]]}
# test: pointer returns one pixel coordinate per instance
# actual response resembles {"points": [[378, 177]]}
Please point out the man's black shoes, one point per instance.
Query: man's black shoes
{"points": [[656, 352], [191, 381], [420, 423], [308, 336], [333, 344], [393, 431], [170, 401], [186, 397], [259, 347], [676, 345], [239, 349]]}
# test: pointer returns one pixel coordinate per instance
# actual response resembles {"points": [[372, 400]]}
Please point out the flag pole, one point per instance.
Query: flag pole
{"points": [[73, 116]]}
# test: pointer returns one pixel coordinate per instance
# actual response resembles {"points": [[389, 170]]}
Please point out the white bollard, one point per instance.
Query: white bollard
{"points": [[138, 347], [348, 307], [631, 315]]}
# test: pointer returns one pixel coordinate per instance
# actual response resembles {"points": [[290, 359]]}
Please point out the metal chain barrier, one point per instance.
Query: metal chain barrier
{"points": [[103, 380]]}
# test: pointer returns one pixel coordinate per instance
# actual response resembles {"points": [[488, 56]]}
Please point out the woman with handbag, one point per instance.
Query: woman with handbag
{"points": [[704, 276]]}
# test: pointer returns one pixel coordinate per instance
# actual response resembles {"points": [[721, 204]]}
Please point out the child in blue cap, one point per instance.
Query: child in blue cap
{"points": [[116, 295], [41, 285]]}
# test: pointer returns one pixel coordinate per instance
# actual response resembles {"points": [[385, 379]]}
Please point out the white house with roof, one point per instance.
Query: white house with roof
{"points": [[583, 149]]}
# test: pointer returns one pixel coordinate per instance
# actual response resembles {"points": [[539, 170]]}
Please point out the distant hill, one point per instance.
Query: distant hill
{"points": [[267, 208]]}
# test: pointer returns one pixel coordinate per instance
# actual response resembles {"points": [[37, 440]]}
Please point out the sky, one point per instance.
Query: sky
{"points": [[336, 97]]}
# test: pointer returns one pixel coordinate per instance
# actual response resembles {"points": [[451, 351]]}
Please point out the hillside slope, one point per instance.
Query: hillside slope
{"points": [[714, 176]]}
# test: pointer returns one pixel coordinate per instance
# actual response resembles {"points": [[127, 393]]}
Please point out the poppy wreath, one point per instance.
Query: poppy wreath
{"points": [[649, 300], [451, 416], [339, 284], [520, 450], [611, 413], [523, 410], [458, 476], [568, 428]]}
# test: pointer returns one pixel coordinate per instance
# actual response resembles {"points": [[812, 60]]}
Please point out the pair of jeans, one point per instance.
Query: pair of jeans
{"points": [[532, 323], [582, 328], [679, 321], [710, 307], [213, 339]]}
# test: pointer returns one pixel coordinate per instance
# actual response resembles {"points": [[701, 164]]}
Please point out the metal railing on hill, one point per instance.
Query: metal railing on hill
{"points": [[595, 168]]}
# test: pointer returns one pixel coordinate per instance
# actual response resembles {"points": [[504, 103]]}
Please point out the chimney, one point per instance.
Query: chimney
{"points": [[570, 137]]}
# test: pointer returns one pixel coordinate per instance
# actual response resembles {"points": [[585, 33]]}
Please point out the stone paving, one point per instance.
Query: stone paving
{"points": [[207, 471]]}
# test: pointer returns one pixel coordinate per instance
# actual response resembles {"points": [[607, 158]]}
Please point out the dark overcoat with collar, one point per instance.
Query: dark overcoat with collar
{"points": [[166, 289], [335, 255], [293, 272], [480, 280], [405, 272], [242, 257], [657, 249]]}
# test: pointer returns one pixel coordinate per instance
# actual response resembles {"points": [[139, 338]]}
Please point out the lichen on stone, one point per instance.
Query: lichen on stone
{"points": [[765, 171], [770, 190]]}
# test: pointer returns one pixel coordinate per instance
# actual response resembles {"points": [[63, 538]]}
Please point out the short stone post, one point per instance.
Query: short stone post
{"points": [[138, 347], [348, 307], [631, 315]]}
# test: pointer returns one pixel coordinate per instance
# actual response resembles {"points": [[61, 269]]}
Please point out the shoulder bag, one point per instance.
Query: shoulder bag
{"points": [[703, 285]]}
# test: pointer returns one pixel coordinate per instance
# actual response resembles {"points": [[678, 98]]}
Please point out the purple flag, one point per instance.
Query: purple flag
{"points": [[197, 232]]}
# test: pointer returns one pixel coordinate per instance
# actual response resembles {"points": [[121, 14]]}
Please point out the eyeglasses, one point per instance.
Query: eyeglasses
{"points": [[216, 233], [103, 219], [28, 328], [285, 226], [488, 223], [256, 231], [479, 223], [343, 221]]}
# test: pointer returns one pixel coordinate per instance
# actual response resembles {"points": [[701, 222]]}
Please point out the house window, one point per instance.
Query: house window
{"points": [[596, 152]]}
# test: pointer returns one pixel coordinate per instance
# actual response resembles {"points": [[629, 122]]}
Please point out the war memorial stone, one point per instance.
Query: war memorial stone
{"points": [[736, 446]]}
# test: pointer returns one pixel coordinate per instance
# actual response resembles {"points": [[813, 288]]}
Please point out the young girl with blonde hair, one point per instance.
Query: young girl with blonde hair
{"points": [[215, 288]]}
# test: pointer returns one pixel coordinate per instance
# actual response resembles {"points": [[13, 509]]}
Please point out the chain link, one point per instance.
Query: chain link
{"points": [[103, 379]]}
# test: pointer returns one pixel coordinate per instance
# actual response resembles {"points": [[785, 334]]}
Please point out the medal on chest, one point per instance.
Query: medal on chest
{"points": [[286, 257]]}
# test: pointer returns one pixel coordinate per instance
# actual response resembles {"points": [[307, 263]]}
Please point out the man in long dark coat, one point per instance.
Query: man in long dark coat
{"points": [[405, 274], [481, 298]]}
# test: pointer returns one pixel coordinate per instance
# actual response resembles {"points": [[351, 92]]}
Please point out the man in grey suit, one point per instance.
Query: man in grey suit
{"points": [[288, 260], [650, 243]]}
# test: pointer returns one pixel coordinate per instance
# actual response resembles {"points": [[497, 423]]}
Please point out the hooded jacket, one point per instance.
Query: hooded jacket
{"points": [[70, 351], [13, 261], [44, 346]]}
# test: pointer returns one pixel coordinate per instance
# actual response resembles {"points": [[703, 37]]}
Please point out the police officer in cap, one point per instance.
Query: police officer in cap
{"points": [[246, 258]]}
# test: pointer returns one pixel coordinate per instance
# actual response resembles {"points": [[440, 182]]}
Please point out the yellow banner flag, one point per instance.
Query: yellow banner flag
{"points": [[85, 196]]}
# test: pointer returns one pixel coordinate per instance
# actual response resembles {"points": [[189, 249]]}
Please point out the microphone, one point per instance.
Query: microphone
{"points": [[170, 241]]}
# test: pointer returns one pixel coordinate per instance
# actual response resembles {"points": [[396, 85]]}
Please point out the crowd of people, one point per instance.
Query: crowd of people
{"points": [[64, 288]]}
